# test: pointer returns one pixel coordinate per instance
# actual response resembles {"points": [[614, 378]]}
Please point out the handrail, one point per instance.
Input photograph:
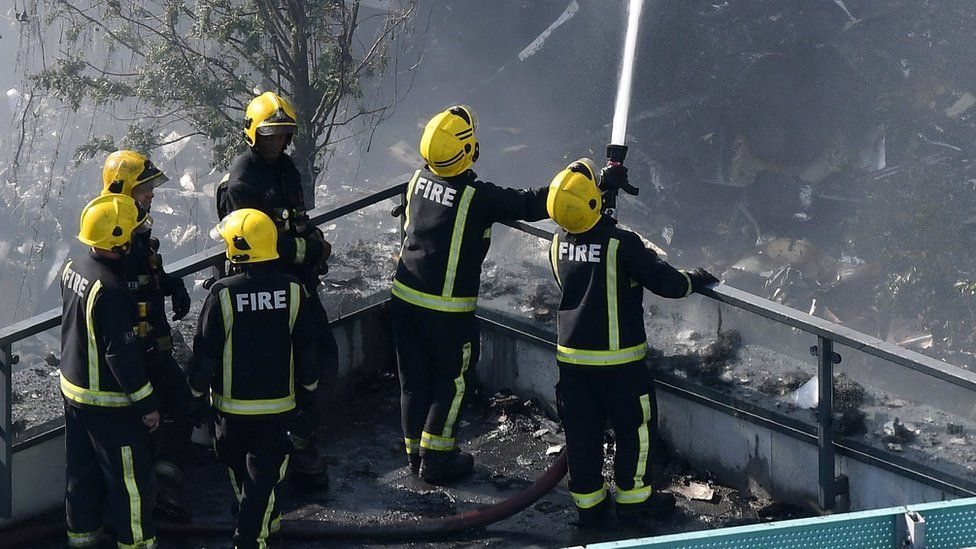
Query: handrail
{"points": [[192, 264], [819, 327], [844, 336], [831, 486]]}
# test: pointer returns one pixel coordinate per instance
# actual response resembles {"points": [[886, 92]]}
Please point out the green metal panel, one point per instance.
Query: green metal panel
{"points": [[948, 525]]}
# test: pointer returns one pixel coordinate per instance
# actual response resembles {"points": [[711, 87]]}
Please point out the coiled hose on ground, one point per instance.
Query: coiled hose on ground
{"points": [[425, 529]]}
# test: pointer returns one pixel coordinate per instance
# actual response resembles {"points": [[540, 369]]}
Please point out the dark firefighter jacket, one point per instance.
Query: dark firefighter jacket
{"points": [[142, 269], [101, 358], [448, 232], [254, 337], [275, 189], [602, 274]]}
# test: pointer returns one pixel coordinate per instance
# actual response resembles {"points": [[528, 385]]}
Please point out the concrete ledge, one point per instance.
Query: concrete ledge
{"points": [[742, 454]]}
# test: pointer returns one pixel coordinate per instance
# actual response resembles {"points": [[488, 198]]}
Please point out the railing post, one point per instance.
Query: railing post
{"points": [[831, 486], [217, 271], [403, 217], [6, 452]]}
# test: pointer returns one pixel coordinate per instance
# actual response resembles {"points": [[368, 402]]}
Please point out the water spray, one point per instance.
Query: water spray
{"points": [[617, 150]]}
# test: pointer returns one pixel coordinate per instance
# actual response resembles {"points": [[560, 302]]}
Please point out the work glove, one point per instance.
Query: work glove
{"points": [[317, 235], [613, 177], [180, 300], [701, 279], [319, 251]]}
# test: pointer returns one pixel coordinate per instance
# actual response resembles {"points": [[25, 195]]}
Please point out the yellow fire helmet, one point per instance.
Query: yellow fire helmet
{"points": [[269, 114], [449, 145], [250, 236], [107, 222], [574, 200], [125, 170]]}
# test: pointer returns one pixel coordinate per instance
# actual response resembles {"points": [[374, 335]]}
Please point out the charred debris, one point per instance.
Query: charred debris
{"points": [[819, 154]]}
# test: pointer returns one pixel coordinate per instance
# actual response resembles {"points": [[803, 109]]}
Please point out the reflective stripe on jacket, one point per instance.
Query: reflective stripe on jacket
{"points": [[102, 362], [602, 274], [447, 234], [254, 339]]}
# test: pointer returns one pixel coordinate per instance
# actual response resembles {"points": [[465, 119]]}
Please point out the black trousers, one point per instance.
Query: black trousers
{"points": [[586, 398], [306, 421], [108, 459], [171, 442], [255, 452], [434, 353]]}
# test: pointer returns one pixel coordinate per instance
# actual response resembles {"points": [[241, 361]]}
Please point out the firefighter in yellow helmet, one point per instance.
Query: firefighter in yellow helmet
{"points": [[602, 271], [265, 178], [260, 321], [449, 215], [132, 174], [109, 404]]}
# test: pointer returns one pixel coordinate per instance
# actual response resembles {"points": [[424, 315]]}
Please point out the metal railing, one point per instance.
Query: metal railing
{"points": [[830, 485], [827, 333], [209, 258]]}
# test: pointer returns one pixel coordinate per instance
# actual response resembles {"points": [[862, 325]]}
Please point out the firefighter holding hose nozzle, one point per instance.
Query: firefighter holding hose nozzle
{"points": [[602, 271]]}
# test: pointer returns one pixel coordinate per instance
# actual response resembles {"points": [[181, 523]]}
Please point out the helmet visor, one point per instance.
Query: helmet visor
{"points": [[278, 123], [151, 174], [468, 114], [586, 167], [277, 129], [217, 232]]}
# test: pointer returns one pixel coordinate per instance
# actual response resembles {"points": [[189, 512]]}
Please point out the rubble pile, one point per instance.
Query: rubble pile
{"points": [[824, 163]]}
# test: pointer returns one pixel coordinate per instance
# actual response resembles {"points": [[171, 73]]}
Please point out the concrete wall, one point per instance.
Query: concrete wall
{"points": [[739, 453], [761, 461], [38, 483], [523, 366]]}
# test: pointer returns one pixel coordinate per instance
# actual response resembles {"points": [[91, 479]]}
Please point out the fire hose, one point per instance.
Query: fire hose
{"points": [[424, 529]]}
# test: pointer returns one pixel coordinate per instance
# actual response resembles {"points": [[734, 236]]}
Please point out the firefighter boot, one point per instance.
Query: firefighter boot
{"points": [[658, 503], [439, 467], [597, 517], [307, 463], [414, 461], [169, 493]]}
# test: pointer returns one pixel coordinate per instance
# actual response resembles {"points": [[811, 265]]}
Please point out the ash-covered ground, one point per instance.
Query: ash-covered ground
{"points": [[513, 443]]}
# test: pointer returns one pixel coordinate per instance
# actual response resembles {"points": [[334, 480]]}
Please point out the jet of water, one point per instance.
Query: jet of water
{"points": [[626, 74]]}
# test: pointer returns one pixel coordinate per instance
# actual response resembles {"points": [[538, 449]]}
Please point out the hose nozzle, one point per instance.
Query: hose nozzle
{"points": [[616, 153]]}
